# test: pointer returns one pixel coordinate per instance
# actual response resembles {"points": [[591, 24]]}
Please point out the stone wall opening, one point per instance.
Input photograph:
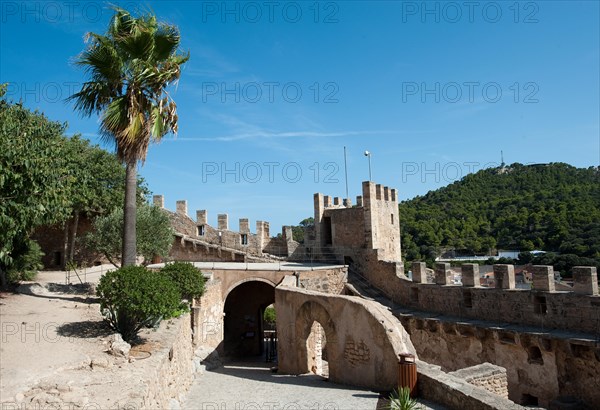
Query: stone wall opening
{"points": [[529, 400], [534, 355], [244, 319], [318, 333], [316, 344]]}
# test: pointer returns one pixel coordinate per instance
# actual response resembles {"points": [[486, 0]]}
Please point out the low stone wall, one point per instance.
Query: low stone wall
{"points": [[542, 364], [490, 377], [207, 316], [363, 340], [448, 390], [168, 373], [544, 308]]}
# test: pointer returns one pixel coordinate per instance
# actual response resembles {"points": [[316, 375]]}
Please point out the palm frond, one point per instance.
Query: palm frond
{"points": [[130, 69]]}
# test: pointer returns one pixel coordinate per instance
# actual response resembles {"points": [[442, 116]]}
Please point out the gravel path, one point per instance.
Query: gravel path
{"points": [[245, 386]]}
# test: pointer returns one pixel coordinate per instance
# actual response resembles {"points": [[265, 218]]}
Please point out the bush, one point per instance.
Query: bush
{"points": [[270, 316], [189, 279], [133, 297], [27, 261]]}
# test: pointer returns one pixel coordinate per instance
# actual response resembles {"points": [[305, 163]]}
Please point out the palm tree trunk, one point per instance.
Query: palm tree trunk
{"points": [[129, 235]]}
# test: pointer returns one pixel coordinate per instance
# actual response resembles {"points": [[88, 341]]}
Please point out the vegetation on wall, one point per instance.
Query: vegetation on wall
{"points": [[554, 207]]}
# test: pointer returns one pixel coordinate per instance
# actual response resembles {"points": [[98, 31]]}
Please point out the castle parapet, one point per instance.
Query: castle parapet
{"points": [[159, 201], [543, 278], [470, 275], [585, 280], [419, 272], [505, 276], [442, 274], [223, 222], [181, 207]]}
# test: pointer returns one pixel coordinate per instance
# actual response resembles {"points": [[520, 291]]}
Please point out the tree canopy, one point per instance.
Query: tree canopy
{"points": [[48, 178], [35, 185], [553, 207]]}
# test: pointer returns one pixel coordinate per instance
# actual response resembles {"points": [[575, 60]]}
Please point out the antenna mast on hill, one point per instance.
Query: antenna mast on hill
{"points": [[502, 158]]}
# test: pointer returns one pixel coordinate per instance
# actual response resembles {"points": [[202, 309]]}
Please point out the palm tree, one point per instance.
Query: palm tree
{"points": [[130, 68]]}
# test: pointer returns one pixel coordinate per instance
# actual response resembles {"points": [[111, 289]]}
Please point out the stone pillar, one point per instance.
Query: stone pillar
{"points": [[244, 225], [386, 193], [337, 201], [586, 280], [327, 201], [370, 213], [182, 207], [319, 205], [470, 275], [223, 223], [348, 202], [159, 201], [260, 235], [394, 196], [288, 234], [504, 276], [543, 278], [201, 217], [359, 200], [441, 273], [419, 272]]}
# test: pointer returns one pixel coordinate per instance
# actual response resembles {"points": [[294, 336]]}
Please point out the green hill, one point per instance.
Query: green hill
{"points": [[553, 207]]}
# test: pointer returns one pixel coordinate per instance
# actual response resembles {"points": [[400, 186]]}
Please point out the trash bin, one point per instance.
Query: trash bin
{"points": [[407, 372]]}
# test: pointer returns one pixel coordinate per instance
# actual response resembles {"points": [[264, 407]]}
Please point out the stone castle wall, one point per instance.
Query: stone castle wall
{"points": [[542, 364], [227, 244], [543, 307]]}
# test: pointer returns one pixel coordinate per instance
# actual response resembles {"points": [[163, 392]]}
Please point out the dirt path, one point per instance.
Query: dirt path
{"points": [[50, 337]]}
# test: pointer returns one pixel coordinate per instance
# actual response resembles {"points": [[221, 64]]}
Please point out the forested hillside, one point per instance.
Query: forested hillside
{"points": [[553, 207]]}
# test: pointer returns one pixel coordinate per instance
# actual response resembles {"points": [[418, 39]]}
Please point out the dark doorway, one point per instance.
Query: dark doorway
{"points": [[327, 240], [244, 323]]}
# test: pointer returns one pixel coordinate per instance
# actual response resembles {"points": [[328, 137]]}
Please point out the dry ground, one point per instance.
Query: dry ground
{"points": [[54, 348]]}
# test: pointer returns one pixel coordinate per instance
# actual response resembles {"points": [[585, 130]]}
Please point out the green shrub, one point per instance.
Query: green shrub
{"points": [[400, 400], [269, 316], [27, 261], [133, 297], [188, 279]]}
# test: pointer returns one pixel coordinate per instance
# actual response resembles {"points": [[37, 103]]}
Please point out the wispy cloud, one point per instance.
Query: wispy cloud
{"points": [[280, 135]]}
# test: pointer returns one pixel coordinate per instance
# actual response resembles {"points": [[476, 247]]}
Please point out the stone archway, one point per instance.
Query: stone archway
{"points": [[315, 327], [243, 322]]}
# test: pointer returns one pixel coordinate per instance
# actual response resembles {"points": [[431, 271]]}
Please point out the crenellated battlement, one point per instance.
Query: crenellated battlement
{"points": [[376, 192], [545, 305], [242, 240], [372, 225]]}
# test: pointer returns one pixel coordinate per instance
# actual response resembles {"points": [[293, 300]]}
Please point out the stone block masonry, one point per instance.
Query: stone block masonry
{"points": [[442, 274], [586, 280], [470, 275], [489, 376], [505, 276], [543, 278]]}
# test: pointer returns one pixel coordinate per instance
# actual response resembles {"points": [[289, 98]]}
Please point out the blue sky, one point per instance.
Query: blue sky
{"points": [[275, 90]]}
